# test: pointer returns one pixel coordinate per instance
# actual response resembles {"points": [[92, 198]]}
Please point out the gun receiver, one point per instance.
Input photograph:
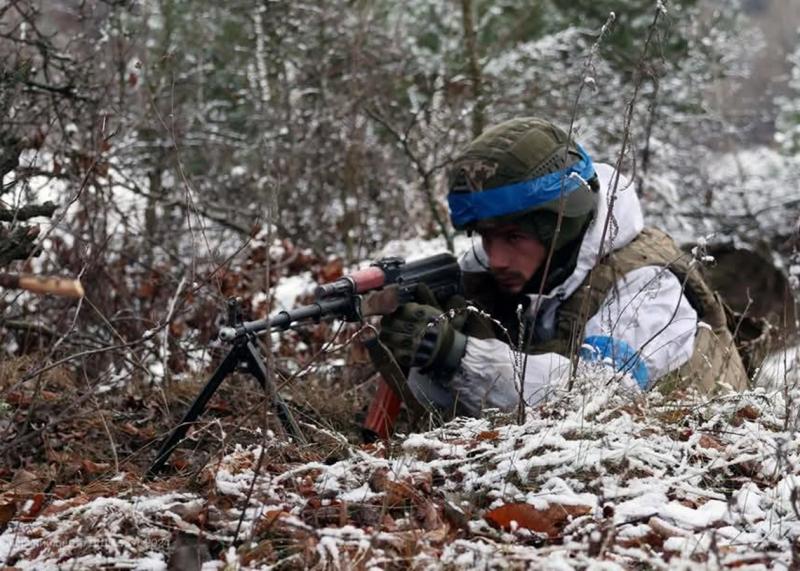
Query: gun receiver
{"points": [[376, 290]]}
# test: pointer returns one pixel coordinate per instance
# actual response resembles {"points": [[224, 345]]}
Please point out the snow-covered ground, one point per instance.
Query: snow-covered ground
{"points": [[592, 479]]}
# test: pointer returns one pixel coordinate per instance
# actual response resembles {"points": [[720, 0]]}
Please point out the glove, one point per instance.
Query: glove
{"points": [[407, 333]]}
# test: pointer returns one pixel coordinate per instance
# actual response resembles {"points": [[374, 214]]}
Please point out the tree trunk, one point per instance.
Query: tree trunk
{"points": [[473, 67]]}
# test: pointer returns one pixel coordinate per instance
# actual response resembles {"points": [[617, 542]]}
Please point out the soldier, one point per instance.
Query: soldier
{"points": [[563, 239]]}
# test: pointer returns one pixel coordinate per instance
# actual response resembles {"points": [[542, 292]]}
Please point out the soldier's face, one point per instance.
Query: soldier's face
{"points": [[514, 255]]}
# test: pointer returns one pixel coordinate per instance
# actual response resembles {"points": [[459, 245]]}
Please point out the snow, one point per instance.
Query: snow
{"points": [[709, 513], [418, 248], [780, 368], [290, 288], [648, 468]]}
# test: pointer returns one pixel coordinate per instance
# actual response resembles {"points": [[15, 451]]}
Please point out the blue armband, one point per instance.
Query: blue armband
{"points": [[624, 357]]}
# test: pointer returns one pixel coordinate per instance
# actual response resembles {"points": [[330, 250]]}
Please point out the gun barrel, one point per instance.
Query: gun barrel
{"points": [[283, 320]]}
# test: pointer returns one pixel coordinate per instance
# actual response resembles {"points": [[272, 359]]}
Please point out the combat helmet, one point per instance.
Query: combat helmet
{"points": [[524, 171]]}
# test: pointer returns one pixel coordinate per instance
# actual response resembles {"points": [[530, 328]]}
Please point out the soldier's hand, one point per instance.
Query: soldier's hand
{"points": [[419, 335], [455, 306]]}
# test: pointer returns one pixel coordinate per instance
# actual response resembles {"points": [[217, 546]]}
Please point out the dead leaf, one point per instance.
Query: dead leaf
{"points": [[179, 463], [550, 520], [189, 512], [220, 406], [489, 435], [332, 270], [146, 290], [177, 328], [93, 468], [753, 560], [378, 479], [437, 535], [7, 511], [399, 493], [651, 539], [388, 523], [25, 483], [65, 491], [129, 428], [747, 412], [708, 441], [65, 505], [32, 510], [17, 398], [431, 516], [262, 552], [306, 486]]}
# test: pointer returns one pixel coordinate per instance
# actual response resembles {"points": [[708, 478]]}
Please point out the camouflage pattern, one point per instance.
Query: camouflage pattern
{"points": [[524, 149], [716, 364]]}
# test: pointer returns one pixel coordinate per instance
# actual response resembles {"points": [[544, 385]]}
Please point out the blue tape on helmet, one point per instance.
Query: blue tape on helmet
{"points": [[624, 357], [469, 207]]}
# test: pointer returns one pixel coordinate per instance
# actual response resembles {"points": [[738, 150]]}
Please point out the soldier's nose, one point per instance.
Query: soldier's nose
{"points": [[498, 259]]}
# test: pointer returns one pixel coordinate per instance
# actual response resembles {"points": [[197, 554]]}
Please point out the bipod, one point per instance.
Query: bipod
{"points": [[244, 356]]}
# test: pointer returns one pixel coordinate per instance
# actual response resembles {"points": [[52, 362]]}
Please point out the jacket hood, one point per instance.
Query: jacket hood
{"points": [[619, 217]]}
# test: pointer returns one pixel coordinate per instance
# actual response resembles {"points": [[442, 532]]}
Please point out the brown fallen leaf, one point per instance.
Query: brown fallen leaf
{"points": [[25, 483], [332, 270], [388, 523], [65, 505], [396, 493], [93, 468], [437, 535], [378, 479], [550, 520], [129, 429], [262, 552], [489, 435], [711, 442], [400, 493], [747, 412], [32, 510], [48, 396], [268, 520], [64, 491], [431, 515], [651, 539], [7, 511]]}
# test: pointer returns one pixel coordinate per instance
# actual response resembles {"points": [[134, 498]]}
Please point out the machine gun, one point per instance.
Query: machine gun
{"points": [[376, 290]]}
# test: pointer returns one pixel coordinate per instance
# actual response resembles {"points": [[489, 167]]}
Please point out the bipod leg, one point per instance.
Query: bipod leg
{"points": [[228, 366], [256, 367]]}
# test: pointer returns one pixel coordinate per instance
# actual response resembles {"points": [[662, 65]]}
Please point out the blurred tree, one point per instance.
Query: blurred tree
{"points": [[788, 120], [167, 127]]}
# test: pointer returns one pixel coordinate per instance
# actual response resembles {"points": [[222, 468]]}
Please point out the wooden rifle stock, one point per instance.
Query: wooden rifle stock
{"points": [[382, 412], [64, 287]]}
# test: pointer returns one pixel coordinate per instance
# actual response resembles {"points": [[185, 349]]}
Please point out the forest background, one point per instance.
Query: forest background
{"points": [[175, 153]]}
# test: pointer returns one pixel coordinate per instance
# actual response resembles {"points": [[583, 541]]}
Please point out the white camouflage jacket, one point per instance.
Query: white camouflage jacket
{"points": [[646, 317]]}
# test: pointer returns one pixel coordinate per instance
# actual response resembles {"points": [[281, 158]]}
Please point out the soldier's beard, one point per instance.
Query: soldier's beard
{"points": [[510, 281]]}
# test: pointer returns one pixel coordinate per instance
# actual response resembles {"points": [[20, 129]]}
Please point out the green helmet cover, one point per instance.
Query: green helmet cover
{"points": [[520, 150]]}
